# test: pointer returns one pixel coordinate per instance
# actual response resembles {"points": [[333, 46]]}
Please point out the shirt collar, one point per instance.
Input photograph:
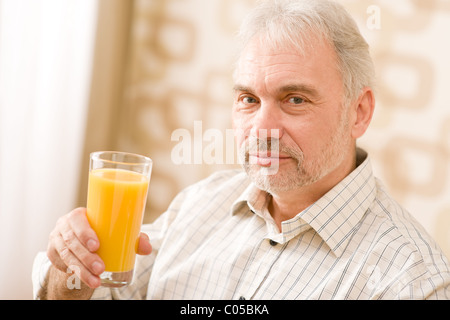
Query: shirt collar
{"points": [[335, 216]]}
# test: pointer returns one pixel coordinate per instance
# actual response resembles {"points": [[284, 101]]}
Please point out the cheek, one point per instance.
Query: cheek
{"points": [[308, 136], [240, 127], [239, 137]]}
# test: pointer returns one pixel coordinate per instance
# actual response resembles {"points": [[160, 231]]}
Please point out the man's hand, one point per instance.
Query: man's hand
{"points": [[72, 244]]}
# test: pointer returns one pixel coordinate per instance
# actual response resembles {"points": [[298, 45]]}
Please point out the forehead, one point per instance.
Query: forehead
{"points": [[315, 63]]}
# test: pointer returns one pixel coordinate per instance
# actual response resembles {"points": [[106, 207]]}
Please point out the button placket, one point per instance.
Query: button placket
{"points": [[266, 254]]}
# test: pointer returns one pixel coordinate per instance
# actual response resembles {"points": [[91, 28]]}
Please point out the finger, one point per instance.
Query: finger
{"points": [[55, 245], [144, 246], [68, 262], [82, 230], [90, 260]]}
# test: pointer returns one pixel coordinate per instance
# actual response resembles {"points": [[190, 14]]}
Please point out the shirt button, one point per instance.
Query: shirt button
{"points": [[273, 243]]}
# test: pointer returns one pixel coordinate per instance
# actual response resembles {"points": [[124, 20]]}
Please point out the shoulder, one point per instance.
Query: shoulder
{"points": [[402, 224], [225, 185], [406, 245], [399, 219], [220, 181], [212, 195]]}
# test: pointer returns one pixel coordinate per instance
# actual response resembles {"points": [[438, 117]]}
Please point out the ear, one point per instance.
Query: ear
{"points": [[363, 109]]}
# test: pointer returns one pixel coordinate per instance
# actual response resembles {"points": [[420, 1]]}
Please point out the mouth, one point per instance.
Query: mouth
{"points": [[267, 159]]}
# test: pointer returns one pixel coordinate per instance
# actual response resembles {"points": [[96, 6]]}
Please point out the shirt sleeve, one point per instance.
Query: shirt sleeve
{"points": [[41, 265], [432, 288], [440, 293], [435, 287]]}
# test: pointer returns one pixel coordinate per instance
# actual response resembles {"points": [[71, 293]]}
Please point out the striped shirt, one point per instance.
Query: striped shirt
{"points": [[218, 240]]}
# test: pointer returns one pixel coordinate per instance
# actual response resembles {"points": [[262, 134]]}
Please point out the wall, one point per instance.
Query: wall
{"points": [[179, 71]]}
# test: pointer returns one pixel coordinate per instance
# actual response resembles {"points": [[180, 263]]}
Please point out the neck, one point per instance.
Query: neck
{"points": [[286, 205]]}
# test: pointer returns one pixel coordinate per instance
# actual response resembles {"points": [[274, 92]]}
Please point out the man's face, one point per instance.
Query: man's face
{"points": [[294, 102]]}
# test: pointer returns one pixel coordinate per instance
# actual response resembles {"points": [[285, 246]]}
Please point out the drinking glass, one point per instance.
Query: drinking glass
{"points": [[117, 193]]}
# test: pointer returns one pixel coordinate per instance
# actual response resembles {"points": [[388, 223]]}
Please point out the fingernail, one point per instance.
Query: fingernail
{"points": [[94, 281], [97, 267], [92, 245]]}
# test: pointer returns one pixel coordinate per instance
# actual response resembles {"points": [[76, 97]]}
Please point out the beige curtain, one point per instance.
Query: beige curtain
{"points": [[108, 82], [45, 68], [171, 80]]}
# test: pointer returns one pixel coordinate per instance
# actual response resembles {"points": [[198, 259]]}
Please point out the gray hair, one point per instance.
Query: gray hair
{"points": [[293, 22]]}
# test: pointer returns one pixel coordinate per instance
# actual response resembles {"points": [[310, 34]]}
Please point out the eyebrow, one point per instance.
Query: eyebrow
{"points": [[310, 90], [238, 87]]}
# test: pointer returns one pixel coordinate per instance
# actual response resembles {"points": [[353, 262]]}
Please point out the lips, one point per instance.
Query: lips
{"points": [[266, 159]]}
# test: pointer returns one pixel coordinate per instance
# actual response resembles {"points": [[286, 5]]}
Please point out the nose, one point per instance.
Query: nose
{"points": [[267, 123]]}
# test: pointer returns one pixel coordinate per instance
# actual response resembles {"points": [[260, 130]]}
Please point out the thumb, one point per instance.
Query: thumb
{"points": [[144, 246]]}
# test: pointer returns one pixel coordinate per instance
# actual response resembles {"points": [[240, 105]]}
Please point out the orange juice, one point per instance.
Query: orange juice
{"points": [[116, 201]]}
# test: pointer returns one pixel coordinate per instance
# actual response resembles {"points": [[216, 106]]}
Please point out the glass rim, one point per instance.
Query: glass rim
{"points": [[145, 160]]}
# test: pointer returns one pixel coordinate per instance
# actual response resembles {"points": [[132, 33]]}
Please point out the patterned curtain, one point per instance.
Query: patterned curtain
{"points": [[178, 77]]}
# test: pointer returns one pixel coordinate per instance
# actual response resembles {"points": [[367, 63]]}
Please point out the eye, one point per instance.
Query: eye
{"points": [[296, 100], [249, 100], [246, 103]]}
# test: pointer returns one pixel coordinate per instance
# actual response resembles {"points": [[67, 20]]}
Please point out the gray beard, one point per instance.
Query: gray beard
{"points": [[298, 173]]}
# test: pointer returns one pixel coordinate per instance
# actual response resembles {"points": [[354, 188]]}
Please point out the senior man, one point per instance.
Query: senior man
{"points": [[306, 219]]}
